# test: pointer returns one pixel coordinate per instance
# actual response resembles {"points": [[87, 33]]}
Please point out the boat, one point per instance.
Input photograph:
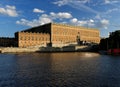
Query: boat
{"points": [[115, 51]]}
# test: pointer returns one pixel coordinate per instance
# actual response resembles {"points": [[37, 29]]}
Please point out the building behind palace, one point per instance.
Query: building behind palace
{"points": [[7, 42], [55, 35]]}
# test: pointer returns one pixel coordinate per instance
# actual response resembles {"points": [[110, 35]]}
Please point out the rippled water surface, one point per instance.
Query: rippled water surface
{"points": [[59, 70]]}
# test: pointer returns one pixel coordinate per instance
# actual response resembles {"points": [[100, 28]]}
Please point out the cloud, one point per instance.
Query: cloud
{"points": [[88, 23], [77, 22], [107, 1], [67, 18], [64, 2], [27, 23], [112, 10], [35, 22], [77, 4], [36, 10], [61, 2], [44, 18], [60, 15], [98, 17], [103, 23], [99, 23], [111, 1], [9, 10], [74, 20]]}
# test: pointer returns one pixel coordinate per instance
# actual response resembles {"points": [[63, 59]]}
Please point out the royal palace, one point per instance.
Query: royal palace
{"points": [[55, 35]]}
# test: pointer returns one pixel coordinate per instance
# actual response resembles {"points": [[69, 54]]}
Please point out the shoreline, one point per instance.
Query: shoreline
{"points": [[45, 49]]}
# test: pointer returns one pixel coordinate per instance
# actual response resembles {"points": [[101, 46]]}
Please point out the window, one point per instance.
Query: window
{"points": [[24, 38], [36, 38], [32, 38], [21, 38], [28, 38]]}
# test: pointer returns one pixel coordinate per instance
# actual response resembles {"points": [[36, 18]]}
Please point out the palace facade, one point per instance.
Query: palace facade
{"points": [[27, 39], [56, 35]]}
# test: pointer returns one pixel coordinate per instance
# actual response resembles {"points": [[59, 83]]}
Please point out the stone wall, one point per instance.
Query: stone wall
{"points": [[57, 34], [66, 34], [27, 39]]}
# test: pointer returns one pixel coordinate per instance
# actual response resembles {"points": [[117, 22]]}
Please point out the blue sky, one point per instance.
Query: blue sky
{"points": [[17, 15]]}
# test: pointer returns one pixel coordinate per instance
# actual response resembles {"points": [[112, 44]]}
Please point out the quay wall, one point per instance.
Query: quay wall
{"points": [[17, 50], [42, 49]]}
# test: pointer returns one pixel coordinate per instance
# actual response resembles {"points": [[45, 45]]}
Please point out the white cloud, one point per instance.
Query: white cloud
{"points": [[61, 15], [9, 10], [36, 10], [97, 16], [88, 23], [44, 18], [61, 2], [81, 23], [112, 10], [103, 24], [27, 23], [74, 20], [91, 20], [35, 22], [77, 4], [64, 2], [111, 1], [107, 1], [64, 15]]}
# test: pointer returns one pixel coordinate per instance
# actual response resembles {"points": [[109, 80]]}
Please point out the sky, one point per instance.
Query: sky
{"points": [[17, 15]]}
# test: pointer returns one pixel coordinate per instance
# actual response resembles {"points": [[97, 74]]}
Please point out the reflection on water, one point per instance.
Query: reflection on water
{"points": [[59, 70]]}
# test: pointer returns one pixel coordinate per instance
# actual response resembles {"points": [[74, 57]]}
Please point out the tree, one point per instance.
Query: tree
{"points": [[115, 39]]}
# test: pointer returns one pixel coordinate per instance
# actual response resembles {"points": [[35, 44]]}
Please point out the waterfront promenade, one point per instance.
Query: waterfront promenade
{"points": [[44, 49]]}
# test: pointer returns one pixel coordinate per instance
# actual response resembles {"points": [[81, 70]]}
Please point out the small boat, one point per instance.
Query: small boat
{"points": [[115, 51]]}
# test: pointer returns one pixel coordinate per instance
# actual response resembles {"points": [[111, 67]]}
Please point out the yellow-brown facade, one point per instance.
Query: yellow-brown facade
{"points": [[66, 34], [27, 39], [57, 35]]}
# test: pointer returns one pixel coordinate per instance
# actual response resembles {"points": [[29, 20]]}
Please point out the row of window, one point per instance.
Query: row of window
{"points": [[35, 38], [25, 44], [63, 39], [62, 31], [88, 40]]}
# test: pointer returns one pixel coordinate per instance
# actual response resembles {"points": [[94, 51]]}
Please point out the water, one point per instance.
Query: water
{"points": [[59, 70]]}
